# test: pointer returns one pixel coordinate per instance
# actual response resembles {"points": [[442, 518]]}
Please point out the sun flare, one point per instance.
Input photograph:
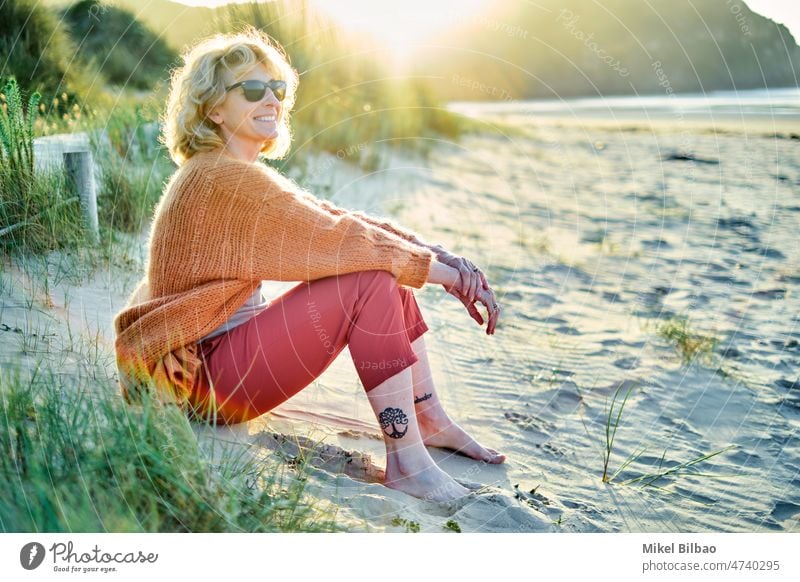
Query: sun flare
{"points": [[402, 27]]}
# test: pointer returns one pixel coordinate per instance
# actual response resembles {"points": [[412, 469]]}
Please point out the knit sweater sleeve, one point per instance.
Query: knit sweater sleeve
{"points": [[381, 222], [278, 234]]}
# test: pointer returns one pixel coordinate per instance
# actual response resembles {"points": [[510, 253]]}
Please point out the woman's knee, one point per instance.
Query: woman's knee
{"points": [[372, 278], [380, 279]]}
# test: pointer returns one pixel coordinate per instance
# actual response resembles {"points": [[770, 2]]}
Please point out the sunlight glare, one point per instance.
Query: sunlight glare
{"points": [[401, 26]]}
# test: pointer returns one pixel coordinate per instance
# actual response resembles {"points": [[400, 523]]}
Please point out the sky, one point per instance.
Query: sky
{"points": [[783, 11]]}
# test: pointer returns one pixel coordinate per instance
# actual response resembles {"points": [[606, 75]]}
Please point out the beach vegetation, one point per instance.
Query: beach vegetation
{"points": [[77, 458], [690, 344], [647, 478], [410, 525], [39, 208], [38, 51], [116, 45]]}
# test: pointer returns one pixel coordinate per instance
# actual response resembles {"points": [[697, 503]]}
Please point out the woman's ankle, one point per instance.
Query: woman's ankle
{"points": [[432, 421], [407, 462]]}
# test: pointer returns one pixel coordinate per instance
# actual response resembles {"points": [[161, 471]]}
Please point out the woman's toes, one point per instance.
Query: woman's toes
{"points": [[494, 457]]}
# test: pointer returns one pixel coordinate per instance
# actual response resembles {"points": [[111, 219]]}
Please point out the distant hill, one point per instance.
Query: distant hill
{"points": [[121, 47], [40, 59], [175, 23], [562, 48]]}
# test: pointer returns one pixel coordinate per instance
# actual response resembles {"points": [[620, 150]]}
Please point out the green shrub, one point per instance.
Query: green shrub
{"points": [[37, 50], [122, 48], [39, 210], [16, 132]]}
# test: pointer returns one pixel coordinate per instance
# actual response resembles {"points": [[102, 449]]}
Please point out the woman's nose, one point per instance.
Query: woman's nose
{"points": [[269, 97]]}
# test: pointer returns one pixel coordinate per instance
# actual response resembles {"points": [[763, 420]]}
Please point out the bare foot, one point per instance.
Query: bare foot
{"points": [[429, 483], [448, 435]]}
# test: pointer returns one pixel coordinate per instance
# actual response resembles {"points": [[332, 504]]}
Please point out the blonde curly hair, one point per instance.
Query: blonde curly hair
{"points": [[198, 86]]}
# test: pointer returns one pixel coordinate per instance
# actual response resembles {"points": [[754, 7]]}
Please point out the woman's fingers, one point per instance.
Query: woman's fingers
{"points": [[493, 321], [485, 296], [480, 278], [463, 280], [475, 281], [483, 280], [470, 305], [473, 311], [470, 286], [488, 298], [497, 313]]}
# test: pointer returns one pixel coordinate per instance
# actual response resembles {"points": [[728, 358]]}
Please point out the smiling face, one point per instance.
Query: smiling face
{"points": [[246, 125]]}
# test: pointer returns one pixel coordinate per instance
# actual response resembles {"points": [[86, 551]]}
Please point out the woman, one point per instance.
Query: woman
{"points": [[197, 327]]}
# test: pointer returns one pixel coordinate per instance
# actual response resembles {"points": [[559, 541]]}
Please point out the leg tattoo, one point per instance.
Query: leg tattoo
{"points": [[391, 417], [419, 399]]}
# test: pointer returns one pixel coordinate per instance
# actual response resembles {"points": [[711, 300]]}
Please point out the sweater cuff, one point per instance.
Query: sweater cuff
{"points": [[415, 272]]}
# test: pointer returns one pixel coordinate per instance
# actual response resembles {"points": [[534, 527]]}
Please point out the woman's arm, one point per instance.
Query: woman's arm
{"points": [[439, 273], [274, 233], [443, 275], [331, 208], [384, 223]]}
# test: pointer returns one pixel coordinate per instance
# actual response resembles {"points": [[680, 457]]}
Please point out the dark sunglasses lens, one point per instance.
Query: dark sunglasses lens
{"points": [[279, 89], [256, 90]]}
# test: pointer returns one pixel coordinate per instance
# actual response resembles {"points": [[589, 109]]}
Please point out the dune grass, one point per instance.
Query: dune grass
{"points": [[690, 344], [134, 165], [39, 210], [75, 457], [611, 433], [647, 478]]}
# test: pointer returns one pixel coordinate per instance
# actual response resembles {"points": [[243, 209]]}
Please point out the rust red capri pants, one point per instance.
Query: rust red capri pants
{"points": [[263, 362]]}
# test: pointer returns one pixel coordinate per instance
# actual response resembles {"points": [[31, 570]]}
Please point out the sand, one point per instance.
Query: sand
{"points": [[593, 235]]}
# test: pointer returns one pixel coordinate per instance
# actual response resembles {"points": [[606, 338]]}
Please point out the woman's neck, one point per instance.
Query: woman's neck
{"points": [[244, 151]]}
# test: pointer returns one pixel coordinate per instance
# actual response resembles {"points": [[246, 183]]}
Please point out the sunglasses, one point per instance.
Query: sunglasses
{"points": [[255, 90]]}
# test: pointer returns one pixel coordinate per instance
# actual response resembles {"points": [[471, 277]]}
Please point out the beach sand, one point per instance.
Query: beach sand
{"points": [[594, 236]]}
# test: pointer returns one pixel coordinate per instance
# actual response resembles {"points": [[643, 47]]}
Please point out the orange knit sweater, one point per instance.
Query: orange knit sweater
{"points": [[221, 227]]}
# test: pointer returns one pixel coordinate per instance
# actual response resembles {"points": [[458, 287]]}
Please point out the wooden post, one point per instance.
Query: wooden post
{"points": [[79, 167], [73, 153]]}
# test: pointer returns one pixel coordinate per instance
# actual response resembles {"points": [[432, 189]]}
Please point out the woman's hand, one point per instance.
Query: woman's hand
{"points": [[454, 281], [472, 278], [485, 296]]}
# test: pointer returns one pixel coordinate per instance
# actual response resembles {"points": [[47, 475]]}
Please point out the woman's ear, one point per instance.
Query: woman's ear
{"points": [[215, 116]]}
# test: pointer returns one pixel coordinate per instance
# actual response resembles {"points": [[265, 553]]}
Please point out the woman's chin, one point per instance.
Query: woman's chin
{"points": [[267, 136]]}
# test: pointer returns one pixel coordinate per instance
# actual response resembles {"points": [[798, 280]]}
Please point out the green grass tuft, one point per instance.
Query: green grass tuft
{"points": [[690, 344], [648, 478], [75, 457], [410, 525]]}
